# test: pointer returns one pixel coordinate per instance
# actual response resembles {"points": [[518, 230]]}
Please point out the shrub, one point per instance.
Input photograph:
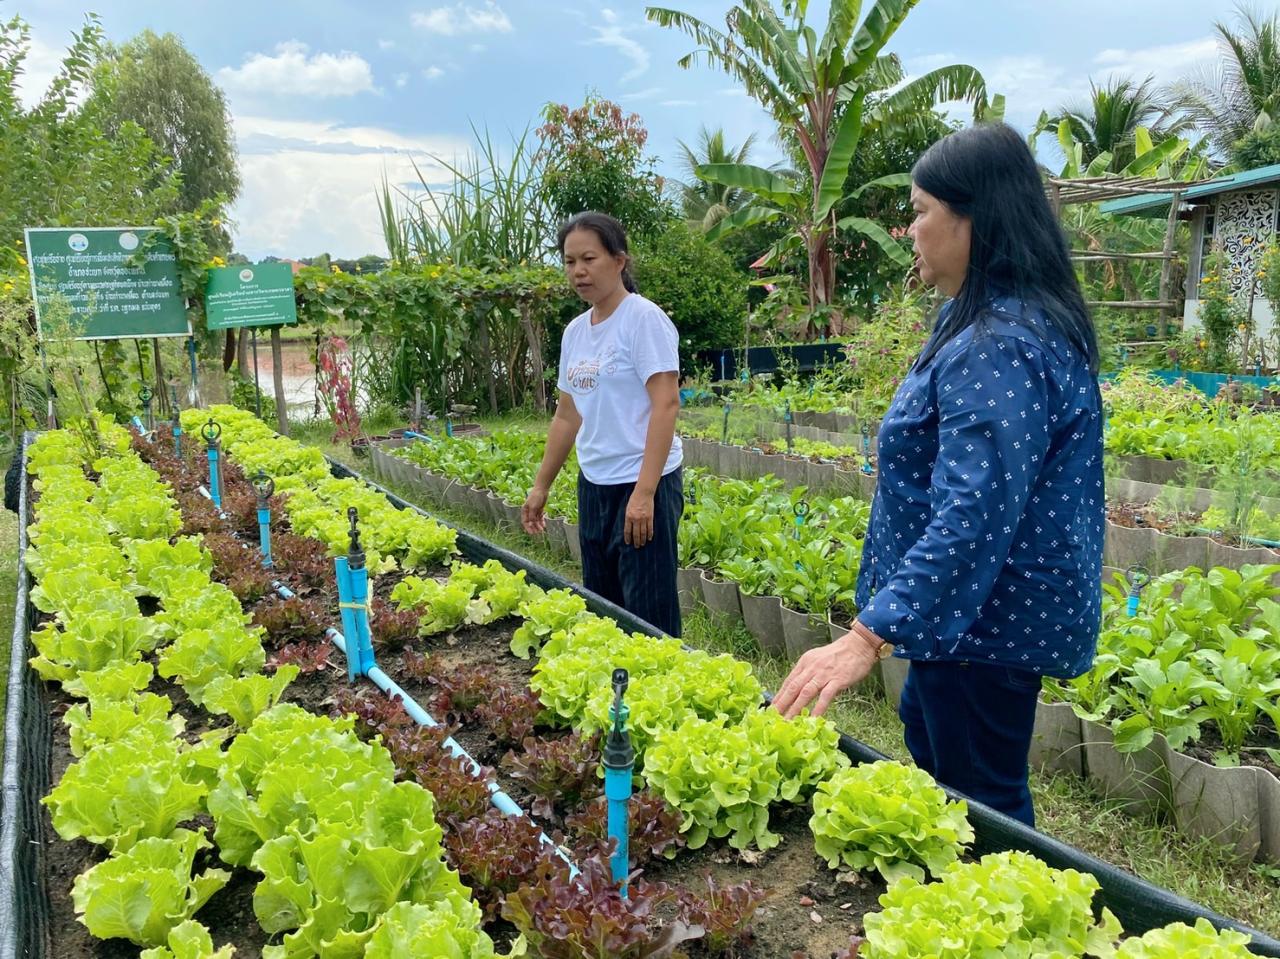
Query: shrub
{"points": [[696, 283]]}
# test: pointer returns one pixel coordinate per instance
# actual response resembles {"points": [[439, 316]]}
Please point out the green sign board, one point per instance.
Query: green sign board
{"points": [[84, 275], [257, 295]]}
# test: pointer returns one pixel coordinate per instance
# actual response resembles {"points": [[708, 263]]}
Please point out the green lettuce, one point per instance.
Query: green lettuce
{"points": [[891, 817], [188, 940], [199, 656], [448, 929], [1179, 940], [244, 698], [143, 894]]}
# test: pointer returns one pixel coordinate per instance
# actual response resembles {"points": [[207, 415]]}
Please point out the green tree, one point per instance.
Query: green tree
{"points": [[155, 82], [698, 286], [61, 168], [595, 160], [703, 204], [1242, 93], [1109, 120], [826, 93]]}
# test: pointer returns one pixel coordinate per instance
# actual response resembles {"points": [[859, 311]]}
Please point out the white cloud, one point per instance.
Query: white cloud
{"points": [[432, 73], [648, 93], [293, 71], [460, 18], [309, 186], [386, 44], [615, 36], [1165, 63], [679, 103], [402, 79], [732, 92], [42, 64], [477, 48]]}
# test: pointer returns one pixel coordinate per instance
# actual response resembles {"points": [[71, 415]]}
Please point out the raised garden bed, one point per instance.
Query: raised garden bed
{"points": [[793, 867]]}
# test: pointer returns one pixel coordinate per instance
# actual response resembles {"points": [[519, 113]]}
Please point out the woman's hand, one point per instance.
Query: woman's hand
{"points": [[637, 528], [826, 672], [532, 513]]}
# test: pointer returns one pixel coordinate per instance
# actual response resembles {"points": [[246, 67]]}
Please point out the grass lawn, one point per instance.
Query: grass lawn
{"points": [[1067, 807]]}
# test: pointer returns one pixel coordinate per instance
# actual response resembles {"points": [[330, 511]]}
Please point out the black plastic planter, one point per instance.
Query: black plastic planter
{"points": [[24, 900]]}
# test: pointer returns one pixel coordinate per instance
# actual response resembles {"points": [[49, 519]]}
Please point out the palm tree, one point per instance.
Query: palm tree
{"points": [[1109, 121], [825, 93], [1241, 94], [702, 203]]}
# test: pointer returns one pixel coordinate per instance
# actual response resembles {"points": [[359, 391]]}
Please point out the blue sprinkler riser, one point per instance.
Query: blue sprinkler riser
{"points": [[501, 801]]}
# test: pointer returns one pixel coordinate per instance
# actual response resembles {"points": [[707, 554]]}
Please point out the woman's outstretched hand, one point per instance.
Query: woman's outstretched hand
{"points": [[533, 512], [825, 672]]}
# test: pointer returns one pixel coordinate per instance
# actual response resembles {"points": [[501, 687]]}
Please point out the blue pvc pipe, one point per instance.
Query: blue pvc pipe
{"points": [[137, 421], [215, 481], [617, 790], [501, 801], [346, 612], [264, 535], [177, 438], [362, 653]]}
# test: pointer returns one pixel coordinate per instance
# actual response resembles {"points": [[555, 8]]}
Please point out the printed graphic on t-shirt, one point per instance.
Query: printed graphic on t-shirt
{"points": [[584, 374]]}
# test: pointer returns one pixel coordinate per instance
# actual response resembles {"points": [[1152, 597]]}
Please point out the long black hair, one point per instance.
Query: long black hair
{"points": [[987, 174], [613, 237]]}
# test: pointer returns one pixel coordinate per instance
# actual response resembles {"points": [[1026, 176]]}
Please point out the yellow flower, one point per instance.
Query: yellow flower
{"points": [[1203, 344], [215, 222], [334, 268], [21, 261], [320, 287], [217, 261], [8, 287]]}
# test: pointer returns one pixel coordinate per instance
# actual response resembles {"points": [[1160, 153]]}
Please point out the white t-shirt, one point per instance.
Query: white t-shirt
{"points": [[604, 368]]}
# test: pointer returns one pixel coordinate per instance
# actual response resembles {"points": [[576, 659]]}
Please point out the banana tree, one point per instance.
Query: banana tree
{"points": [[825, 94]]}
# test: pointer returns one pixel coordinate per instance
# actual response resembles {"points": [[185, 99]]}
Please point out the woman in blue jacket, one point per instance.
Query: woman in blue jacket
{"points": [[983, 557]]}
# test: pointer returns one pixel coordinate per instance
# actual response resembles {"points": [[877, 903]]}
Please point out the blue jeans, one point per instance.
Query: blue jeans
{"points": [[969, 726]]}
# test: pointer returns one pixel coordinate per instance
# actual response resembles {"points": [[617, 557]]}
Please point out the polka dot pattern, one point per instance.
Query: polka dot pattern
{"points": [[985, 537]]}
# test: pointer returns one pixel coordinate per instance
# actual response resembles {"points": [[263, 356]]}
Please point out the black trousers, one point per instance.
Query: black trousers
{"points": [[642, 581]]}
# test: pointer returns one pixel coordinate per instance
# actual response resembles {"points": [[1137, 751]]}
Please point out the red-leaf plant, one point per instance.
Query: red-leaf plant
{"points": [[558, 772], [496, 854], [375, 712], [653, 826], [308, 657], [724, 912], [239, 567], [587, 918], [419, 753], [334, 382], [510, 713], [459, 690], [291, 620], [304, 562], [391, 628]]}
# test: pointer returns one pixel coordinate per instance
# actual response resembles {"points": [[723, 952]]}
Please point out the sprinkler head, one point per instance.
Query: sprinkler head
{"points": [[145, 394], [355, 552], [264, 486], [211, 431]]}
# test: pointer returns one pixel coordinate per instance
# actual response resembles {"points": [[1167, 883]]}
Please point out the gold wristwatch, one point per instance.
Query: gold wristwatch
{"points": [[884, 650]]}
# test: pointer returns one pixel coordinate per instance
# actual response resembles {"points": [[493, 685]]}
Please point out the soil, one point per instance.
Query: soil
{"points": [[1139, 516], [1254, 753]]}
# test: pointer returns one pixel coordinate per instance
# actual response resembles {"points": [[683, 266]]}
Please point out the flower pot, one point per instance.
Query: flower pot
{"points": [[893, 674], [456, 496], [1217, 802], [721, 597], [763, 617], [771, 465], [1234, 557], [1124, 547], [557, 535], [1269, 816], [488, 506], [689, 589], [822, 476], [1056, 740], [845, 483], [1137, 779], [802, 633], [510, 515], [573, 541], [794, 471], [753, 464], [730, 461]]}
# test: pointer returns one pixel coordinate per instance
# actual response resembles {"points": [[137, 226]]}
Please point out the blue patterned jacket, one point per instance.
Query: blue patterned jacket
{"points": [[985, 538]]}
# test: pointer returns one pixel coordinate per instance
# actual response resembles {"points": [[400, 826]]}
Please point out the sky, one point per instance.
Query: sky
{"points": [[326, 96]]}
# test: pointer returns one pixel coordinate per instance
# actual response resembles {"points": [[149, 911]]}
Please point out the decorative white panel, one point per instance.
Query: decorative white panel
{"points": [[1243, 227]]}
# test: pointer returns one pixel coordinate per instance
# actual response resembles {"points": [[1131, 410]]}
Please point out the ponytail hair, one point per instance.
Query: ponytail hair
{"points": [[613, 237]]}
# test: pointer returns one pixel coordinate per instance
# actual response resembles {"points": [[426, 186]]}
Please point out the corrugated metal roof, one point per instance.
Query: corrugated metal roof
{"points": [[1152, 202]]}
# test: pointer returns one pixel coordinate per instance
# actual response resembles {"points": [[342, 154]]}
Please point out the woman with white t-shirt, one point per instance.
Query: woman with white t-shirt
{"points": [[619, 396]]}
